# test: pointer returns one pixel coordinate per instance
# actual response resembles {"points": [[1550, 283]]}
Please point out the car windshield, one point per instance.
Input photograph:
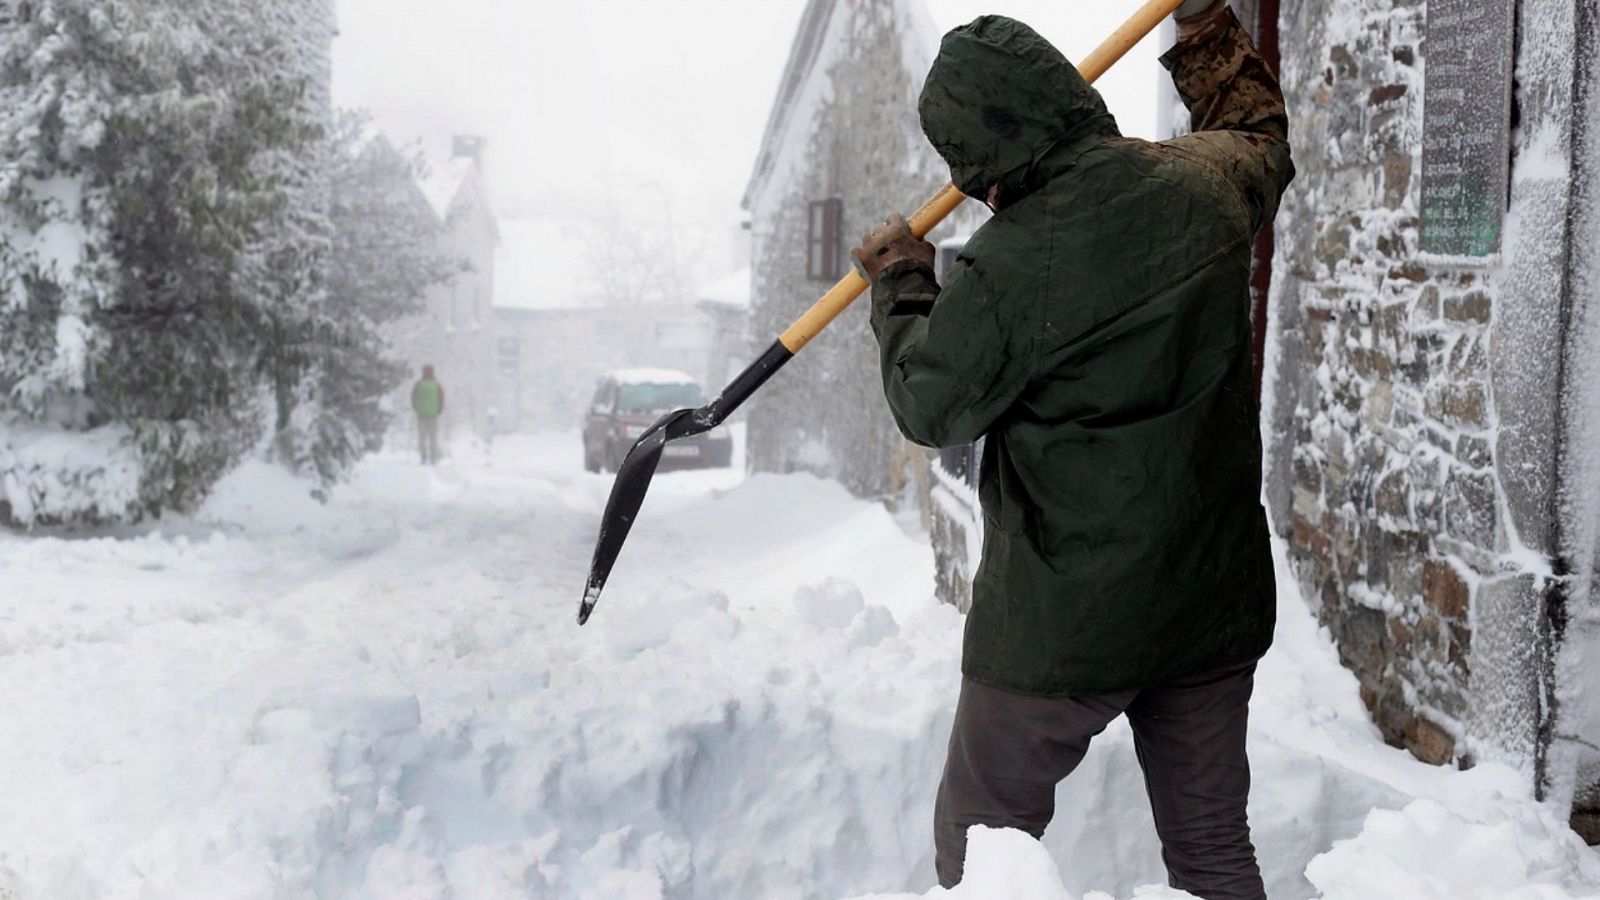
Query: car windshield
{"points": [[657, 397]]}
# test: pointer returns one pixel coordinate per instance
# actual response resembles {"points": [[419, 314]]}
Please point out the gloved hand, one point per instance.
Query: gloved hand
{"points": [[888, 243]]}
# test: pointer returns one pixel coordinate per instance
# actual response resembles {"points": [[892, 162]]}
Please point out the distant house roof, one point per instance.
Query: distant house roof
{"points": [[540, 265], [443, 184], [808, 39], [732, 290], [447, 183]]}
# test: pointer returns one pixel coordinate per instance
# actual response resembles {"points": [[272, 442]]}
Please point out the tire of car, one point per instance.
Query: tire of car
{"points": [[590, 463]]}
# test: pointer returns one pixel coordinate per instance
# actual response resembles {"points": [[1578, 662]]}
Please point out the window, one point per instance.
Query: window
{"points": [[824, 249], [657, 398]]}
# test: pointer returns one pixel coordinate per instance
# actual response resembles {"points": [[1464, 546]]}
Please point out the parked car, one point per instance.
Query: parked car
{"points": [[628, 401]]}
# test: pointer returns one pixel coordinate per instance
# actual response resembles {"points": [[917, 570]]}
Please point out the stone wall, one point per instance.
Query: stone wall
{"points": [[1412, 403]]}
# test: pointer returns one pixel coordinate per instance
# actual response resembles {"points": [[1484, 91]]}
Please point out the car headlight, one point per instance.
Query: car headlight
{"points": [[632, 431]]}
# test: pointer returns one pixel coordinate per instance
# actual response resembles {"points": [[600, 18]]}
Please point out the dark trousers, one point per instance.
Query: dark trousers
{"points": [[1008, 751]]}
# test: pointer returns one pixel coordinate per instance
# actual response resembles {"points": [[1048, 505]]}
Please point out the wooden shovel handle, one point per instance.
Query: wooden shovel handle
{"points": [[852, 285]]}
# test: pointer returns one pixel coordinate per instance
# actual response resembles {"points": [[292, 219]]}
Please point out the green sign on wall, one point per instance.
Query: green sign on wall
{"points": [[1466, 121]]}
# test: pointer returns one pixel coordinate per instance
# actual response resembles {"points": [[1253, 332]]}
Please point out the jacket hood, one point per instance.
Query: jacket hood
{"points": [[998, 98]]}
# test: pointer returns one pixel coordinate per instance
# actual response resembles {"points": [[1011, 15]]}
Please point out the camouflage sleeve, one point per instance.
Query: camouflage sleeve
{"points": [[1236, 110]]}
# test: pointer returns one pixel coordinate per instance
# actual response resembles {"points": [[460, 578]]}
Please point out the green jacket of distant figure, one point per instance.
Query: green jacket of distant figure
{"points": [[1097, 330], [427, 398]]}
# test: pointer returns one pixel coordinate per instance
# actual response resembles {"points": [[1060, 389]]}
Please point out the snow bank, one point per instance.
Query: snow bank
{"points": [[1004, 864], [1428, 851], [50, 474], [388, 697]]}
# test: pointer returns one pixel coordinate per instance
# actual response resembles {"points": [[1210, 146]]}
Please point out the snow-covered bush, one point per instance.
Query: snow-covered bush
{"points": [[154, 267]]}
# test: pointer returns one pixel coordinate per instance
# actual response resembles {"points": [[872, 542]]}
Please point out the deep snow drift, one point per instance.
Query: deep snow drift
{"points": [[389, 697]]}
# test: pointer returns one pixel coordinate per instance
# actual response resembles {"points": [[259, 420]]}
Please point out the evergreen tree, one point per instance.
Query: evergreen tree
{"points": [[155, 270]]}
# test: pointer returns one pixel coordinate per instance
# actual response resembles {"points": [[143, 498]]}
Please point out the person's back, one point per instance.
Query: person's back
{"points": [[427, 402], [1097, 331], [1123, 457], [1128, 465], [427, 398]]}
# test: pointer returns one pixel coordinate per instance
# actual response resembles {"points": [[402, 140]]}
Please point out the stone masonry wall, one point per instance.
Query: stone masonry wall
{"points": [[1409, 408]]}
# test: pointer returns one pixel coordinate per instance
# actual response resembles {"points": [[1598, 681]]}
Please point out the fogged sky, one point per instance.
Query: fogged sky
{"points": [[651, 110]]}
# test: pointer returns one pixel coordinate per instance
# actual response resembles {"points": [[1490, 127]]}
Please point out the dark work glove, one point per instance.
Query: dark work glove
{"points": [[889, 243]]}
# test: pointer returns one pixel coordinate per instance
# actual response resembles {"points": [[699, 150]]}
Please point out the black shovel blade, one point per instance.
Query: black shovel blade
{"points": [[639, 466], [627, 496]]}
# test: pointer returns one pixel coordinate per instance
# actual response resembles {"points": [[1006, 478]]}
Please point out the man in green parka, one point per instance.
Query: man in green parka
{"points": [[1097, 332]]}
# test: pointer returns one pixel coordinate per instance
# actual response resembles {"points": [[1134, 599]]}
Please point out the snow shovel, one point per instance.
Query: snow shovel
{"points": [[639, 466]]}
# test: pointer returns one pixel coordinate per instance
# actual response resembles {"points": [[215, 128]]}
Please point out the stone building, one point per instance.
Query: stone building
{"points": [[1431, 393], [842, 148]]}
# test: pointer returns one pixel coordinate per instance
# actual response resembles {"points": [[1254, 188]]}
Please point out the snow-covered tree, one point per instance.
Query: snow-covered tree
{"points": [[156, 270]]}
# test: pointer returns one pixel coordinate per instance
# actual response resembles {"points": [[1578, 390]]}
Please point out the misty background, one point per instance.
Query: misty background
{"points": [[626, 122]]}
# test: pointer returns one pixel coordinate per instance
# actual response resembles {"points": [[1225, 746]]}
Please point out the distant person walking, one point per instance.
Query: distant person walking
{"points": [[427, 401]]}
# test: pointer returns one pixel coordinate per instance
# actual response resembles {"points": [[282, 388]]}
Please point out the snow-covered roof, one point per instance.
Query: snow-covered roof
{"points": [[443, 184], [651, 376], [540, 265], [730, 290]]}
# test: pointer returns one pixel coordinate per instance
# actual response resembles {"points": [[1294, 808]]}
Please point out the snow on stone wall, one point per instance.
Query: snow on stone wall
{"points": [[1412, 411], [1575, 756]]}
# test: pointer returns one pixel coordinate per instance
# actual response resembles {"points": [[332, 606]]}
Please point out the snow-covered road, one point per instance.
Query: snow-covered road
{"points": [[388, 697]]}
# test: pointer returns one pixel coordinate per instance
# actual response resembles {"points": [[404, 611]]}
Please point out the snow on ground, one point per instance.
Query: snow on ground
{"points": [[389, 697]]}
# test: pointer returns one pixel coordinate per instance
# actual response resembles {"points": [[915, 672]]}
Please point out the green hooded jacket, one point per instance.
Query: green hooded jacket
{"points": [[1097, 331], [427, 398]]}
